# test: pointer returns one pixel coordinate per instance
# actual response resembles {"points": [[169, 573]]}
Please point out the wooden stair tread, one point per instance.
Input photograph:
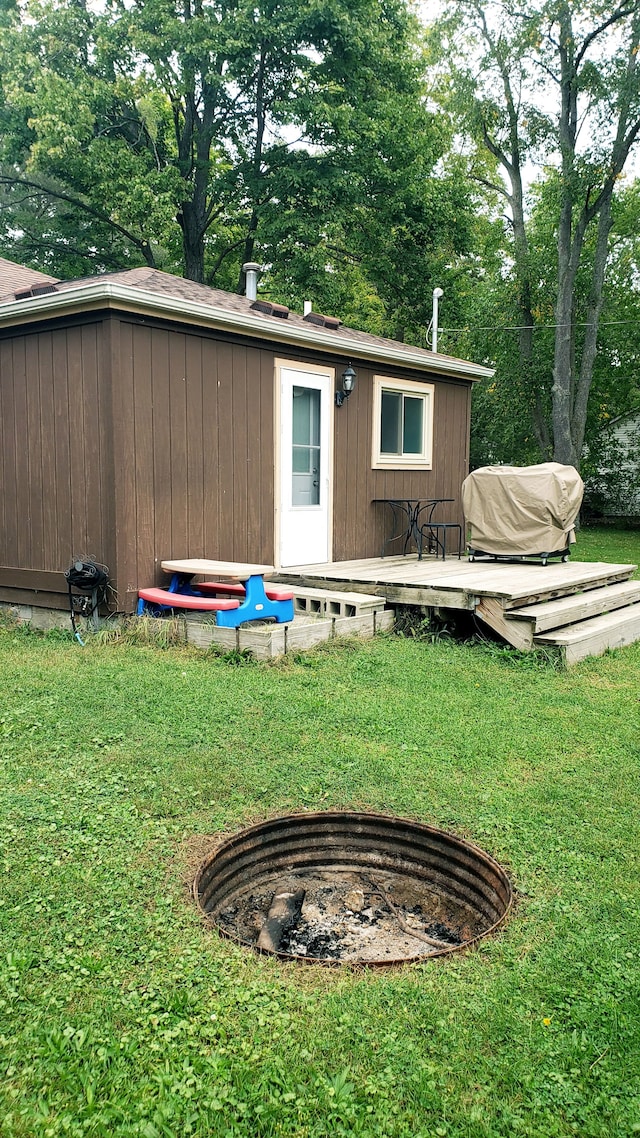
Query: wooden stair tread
{"points": [[594, 576], [579, 607], [592, 637], [574, 632]]}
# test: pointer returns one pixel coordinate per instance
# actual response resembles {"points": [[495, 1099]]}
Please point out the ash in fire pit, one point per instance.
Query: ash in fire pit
{"points": [[352, 888]]}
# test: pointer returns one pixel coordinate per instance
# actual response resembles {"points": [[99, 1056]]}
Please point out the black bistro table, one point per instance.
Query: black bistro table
{"points": [[411, 519]]}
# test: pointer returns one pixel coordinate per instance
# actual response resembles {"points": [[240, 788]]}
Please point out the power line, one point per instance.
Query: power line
{"points": [[535, 327]]}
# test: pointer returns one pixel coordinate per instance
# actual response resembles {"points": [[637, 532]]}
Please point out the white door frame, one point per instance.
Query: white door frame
{"points": [[282, 493]]}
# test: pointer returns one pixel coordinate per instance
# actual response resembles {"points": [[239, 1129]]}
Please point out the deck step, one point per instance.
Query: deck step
{"points": [[592, 637], [594, 575], [582, 606]]}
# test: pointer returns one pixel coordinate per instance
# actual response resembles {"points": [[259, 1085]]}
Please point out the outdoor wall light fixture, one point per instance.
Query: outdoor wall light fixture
{"points": [[348, 379]]}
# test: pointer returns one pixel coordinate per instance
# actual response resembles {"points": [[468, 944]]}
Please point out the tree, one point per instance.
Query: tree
{"points": [[399, 226], [557, 83], [83, 174], [503, 408], [203, 133]]}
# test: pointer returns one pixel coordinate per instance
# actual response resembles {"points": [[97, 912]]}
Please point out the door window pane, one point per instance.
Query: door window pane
{"points": [[306, 416], [305, 458], [302, 460]]}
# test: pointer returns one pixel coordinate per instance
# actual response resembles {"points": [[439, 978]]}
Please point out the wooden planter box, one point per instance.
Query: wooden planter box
{"points": [[267, 641]]}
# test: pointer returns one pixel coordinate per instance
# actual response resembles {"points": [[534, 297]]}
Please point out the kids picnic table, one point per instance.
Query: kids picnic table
{"points": [[237, 594]]}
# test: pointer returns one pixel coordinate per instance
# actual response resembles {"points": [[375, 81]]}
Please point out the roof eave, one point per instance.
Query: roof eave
{"points": [[137, 299]]}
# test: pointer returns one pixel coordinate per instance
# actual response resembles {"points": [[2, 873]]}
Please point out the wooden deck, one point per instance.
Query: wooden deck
{"points": [[458, 584], [520, 601]]}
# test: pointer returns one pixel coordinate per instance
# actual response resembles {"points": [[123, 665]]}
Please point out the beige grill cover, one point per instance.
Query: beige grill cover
{"points": [[522, 510]]}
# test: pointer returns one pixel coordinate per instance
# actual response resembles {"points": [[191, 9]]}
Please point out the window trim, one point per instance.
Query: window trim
{"points": [[423, 461]]}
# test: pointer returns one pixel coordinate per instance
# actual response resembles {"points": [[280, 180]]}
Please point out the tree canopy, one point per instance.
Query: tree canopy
{"points": [[363, 161], [197, 135], [557, 84]]}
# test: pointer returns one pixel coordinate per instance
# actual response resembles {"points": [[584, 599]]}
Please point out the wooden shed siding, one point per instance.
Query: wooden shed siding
{"points": [[134, 449], [53, 493], [219, 418], [100, 460], [34, 491], [79, 471], [118, 460], [359, 526], [194, 445], [204, 451], [19, 503], [130, 440], [202, 447], [8, 518], [209, 455]]}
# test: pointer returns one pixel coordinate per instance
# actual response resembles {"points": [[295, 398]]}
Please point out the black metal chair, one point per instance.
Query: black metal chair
{"points": [[433, 537]]}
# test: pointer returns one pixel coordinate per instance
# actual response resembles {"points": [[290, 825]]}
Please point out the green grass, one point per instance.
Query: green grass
{"points": [[602, 543], [121, 1014]]}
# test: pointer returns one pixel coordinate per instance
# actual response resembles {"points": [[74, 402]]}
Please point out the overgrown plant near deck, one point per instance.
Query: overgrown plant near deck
{"points": [[121, 1014]]}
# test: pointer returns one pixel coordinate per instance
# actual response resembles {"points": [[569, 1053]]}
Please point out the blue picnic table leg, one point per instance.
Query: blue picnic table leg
{"points": [[255, 606], [181, 583]]}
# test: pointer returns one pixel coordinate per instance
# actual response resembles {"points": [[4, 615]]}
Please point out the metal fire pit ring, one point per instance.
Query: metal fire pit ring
{"points": [[405, 871]]}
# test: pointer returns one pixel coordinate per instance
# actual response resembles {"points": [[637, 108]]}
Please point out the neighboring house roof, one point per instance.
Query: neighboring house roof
{"points": [[626, 415], [149, 290], [16, 278]]}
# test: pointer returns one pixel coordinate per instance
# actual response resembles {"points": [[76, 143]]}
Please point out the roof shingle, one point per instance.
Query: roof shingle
{"points": [[17, 278]]}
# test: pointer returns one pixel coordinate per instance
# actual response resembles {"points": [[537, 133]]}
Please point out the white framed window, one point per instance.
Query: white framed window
{"points": [[402, 424]]}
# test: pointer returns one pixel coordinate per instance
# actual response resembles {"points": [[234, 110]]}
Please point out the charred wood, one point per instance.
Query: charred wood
{"points": [[283, 914]]}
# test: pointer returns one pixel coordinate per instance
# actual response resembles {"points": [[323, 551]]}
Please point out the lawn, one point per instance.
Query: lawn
{"points": [[603, 543], [121, 1014]]}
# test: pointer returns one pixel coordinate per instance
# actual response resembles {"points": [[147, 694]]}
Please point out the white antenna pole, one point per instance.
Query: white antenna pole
{"points": [[437, 293]]}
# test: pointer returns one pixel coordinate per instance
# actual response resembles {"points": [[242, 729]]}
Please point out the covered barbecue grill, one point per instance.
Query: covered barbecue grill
{"points": [[516, 512]]}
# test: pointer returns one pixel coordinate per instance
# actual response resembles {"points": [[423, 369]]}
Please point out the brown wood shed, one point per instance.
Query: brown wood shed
{"points": [[145, 417]]}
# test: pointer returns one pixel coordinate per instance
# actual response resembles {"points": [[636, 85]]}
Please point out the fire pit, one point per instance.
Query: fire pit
{"points": [[346, 888]]}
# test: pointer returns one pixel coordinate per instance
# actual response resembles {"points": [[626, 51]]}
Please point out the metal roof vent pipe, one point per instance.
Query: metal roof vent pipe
{"points": [[251, 270]]}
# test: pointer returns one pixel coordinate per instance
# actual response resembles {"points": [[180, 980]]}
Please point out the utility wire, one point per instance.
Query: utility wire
{"points": [[534, 327]]}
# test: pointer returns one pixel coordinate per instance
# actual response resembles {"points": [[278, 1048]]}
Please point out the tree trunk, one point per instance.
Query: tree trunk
{"points": [[192, 241], [525, 346], [568, 244], [249, 245], [194, 125], [512, 166], [594, 309], [586, 179], [261, 119], [563, 447]]}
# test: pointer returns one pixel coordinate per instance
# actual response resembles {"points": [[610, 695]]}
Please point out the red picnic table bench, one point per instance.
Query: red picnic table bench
{"points": [[240, 596]]}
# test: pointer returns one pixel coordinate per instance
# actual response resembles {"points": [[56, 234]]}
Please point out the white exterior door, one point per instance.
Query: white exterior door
{"points": [[304, 490]]}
